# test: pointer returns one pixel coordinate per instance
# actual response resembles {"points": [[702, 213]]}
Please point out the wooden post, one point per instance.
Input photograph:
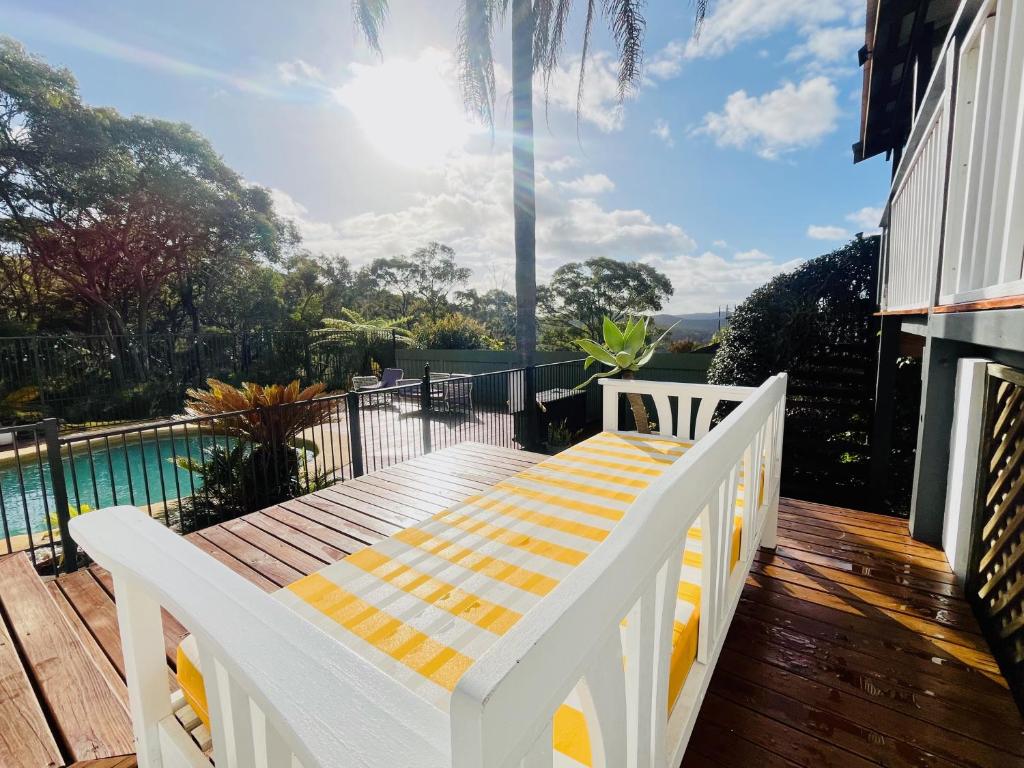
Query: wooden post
{"points": [[60, 495], [355, 433], [425, 407]]}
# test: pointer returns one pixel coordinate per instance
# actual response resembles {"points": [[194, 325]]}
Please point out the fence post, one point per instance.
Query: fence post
{"points": [[39, 371], [530, 410], [394, 349], [60, 495], [355, 433], [425, 408]]}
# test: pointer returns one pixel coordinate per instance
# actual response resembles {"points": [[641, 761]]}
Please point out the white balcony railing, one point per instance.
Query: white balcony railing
{"points": [[955, 221]]}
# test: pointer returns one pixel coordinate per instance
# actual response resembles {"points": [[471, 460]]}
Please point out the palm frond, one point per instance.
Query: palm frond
{"points": [[628, 27], [370, 16], [588, 28], [700, 12], [476, 55]]}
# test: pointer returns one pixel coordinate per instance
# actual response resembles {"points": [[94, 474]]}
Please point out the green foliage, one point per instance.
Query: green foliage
{"points": [[20, 406], [264, 460], [351, 321], [114, 211], [495, 310], [452, 332], [624, 349], [816, 324], [581, 295]]}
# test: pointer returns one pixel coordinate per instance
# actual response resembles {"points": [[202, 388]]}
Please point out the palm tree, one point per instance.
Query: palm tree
{"points": [[538, 33]]}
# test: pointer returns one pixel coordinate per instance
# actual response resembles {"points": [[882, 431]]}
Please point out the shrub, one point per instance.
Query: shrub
{"points": [[453, 332], [816, 324], [267, 462]]}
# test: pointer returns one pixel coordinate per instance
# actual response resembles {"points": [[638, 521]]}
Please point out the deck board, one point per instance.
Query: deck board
{"points": [[852, 645]]}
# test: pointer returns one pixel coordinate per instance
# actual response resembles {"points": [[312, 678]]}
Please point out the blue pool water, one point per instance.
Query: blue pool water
{"points": [[121, 475]]}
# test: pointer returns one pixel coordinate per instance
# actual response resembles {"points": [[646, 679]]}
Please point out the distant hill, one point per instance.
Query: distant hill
{"points": [[700, 326]]}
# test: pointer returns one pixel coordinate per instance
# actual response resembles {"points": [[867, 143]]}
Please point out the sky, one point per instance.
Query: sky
{"points": [[729, 164]]}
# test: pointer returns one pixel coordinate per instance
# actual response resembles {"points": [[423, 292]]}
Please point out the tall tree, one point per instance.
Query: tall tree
{"points": [[436, 275], [538, 35], [581, 294], [114, 208]]}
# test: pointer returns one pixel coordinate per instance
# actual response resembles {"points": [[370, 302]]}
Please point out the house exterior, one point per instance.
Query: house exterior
{"points": [[944, 98]]}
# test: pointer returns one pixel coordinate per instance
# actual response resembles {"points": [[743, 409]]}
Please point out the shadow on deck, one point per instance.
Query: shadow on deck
{"points": [[852, 644]]}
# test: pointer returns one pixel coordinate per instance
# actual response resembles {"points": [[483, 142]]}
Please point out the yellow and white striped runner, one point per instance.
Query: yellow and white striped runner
{"points": [[425, 603]]}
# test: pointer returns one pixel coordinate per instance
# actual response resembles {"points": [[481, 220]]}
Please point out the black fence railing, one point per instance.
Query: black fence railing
{"points": [[190, 473], [88, 379]]}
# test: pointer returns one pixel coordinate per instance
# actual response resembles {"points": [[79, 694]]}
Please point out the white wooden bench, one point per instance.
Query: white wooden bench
{"points": [[282, 692]]}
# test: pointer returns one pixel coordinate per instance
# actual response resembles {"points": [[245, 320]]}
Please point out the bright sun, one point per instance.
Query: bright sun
{"points": [[408, 110]]}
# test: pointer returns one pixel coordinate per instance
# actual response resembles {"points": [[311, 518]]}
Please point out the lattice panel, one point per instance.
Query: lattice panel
{"points": [[999, 575]]}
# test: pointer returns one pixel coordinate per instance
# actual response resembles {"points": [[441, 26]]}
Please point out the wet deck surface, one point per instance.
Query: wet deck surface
{"points": [[852, 644]]}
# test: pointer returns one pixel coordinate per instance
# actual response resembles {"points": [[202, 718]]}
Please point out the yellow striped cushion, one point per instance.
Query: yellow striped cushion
{"points": [[423, 604]]}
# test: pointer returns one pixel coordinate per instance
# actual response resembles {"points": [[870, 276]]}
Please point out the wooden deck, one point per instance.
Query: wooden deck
{"points": [[852, 645]]}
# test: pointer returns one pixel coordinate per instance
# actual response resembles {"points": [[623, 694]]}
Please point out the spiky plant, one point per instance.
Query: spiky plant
{"points": [[271, 415], [625, 350], [538, 36], [17, 406], [267, 460]]}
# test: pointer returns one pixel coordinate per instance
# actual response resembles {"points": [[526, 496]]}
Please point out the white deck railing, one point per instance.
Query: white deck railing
{"points": [[282, 693], [959, 189]]}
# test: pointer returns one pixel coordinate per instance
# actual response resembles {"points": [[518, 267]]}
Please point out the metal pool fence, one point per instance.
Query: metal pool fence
{"points": [[190, 473]]}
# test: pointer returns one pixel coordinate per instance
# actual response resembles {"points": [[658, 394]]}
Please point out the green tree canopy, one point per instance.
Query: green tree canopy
{"points": [[116, 209], [581, 294], [814, 323]]}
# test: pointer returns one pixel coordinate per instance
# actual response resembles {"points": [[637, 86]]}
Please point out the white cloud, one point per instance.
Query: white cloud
{"points": [[829, 45], [601, 106], [588, 185], [720, 244], [469, 206], [827, 232], [558, 165], [298, 71], [734, 22], [866, 219], [780, 121], [663, 131], [706, 281], [668, 62], [752, 255]]}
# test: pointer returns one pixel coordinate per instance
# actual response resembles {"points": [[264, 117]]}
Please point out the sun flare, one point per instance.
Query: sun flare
{"points": [[409, 110]]}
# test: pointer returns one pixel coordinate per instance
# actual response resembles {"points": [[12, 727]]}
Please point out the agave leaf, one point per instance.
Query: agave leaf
{"points": [[666, 333], [635, 338], [644, 359], [601, 375], [613, 338], [596, 351]]}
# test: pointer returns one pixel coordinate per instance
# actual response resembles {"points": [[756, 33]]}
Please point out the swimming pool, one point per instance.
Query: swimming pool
{"points": [[121, 475]]}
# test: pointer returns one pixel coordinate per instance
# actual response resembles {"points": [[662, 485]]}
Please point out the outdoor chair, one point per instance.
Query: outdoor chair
{"points": [[390, 378]]}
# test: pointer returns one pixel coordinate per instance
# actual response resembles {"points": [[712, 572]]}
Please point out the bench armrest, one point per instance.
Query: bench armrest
{"points": [[326, 704]]}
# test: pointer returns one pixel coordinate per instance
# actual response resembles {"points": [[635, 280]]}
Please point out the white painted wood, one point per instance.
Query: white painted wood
{"points": [[664, 410], [965, 452], [603, 695], [297, 676], [511, 692], [541, 755], [981, 189], [283, 693], [138, 616]]}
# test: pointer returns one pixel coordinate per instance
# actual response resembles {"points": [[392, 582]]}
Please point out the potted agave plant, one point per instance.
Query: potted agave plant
{"points": [[625, 350]]}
